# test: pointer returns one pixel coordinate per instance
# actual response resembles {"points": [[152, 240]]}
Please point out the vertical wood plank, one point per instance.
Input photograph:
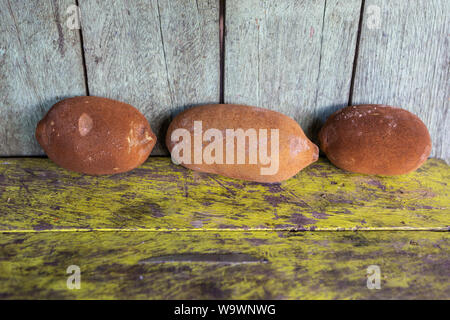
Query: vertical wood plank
{"points": [[404, 61], [40, 63], [295, 57], [159, 56]]}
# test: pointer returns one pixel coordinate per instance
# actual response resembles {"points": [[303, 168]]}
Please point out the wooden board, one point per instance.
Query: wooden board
{"points": [[404, 62], [36, 195], [295, 57], [165, 232], [225, 265], [40, 63], [159, 56]]}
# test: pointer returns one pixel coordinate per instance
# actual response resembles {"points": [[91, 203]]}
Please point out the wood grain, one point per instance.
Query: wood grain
{"points": [[295, 57], [40, 63], [36, 195], [159, 56], [405, 63], [225, 265]]}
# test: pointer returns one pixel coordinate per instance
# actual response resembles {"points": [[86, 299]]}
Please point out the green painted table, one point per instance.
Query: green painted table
{"points": [[164, 232]]}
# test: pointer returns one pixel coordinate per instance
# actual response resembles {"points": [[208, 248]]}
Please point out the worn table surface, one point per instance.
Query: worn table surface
{"points": [[165, 232]]}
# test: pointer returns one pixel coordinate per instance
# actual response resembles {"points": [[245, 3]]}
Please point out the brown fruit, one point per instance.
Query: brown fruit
{"points": [[375, 139], [95, 135], [240, 142]]}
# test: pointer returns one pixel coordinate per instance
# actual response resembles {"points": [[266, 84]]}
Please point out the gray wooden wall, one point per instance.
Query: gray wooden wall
{"points": [[304, 58]]}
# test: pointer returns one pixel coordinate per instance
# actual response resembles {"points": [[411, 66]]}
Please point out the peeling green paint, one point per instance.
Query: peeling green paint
{"points": [[164, 232], [36, 195]]}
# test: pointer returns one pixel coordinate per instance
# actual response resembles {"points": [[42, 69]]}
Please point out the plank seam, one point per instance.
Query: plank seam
{"points": [[164, 54], [355, 60], [320, 53], [293, 230], [83, 58], [222, 6]]}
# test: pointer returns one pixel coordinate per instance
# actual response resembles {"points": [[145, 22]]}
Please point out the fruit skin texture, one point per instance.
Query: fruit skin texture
{"points": [[95, 135], [296, 151], [375, 139]]}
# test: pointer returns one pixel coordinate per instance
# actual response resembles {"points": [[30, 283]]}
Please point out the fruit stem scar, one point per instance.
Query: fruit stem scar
{"points": [[85, 124]]}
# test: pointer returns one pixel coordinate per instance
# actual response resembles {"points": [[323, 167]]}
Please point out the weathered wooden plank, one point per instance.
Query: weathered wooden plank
{"points": [[36, 195], [403, 61], [40, 63], [295, 57], [225, 265], [159, 56]]}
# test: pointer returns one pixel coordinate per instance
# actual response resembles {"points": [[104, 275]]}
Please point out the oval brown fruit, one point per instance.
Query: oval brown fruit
{"points": [[375, 139], [95, 135], [240, 142]]}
